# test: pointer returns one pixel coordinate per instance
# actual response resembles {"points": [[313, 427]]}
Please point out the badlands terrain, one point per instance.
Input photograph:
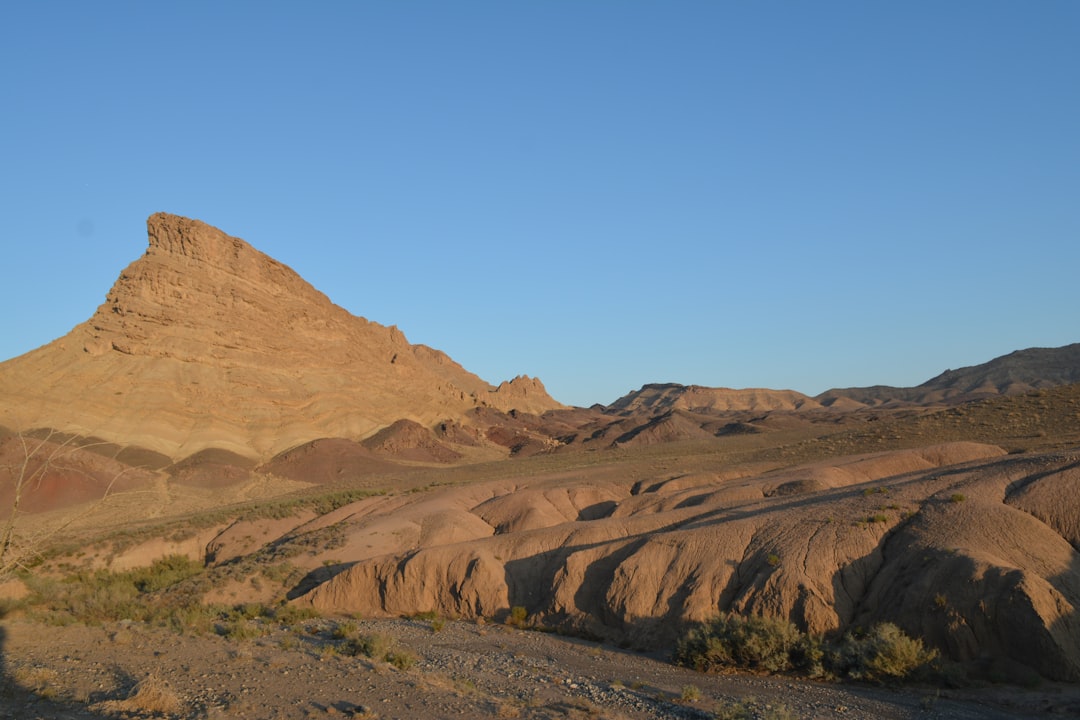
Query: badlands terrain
{"points": [[228, 497]]}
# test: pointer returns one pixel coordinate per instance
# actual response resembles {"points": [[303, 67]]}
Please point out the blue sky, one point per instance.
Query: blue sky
{"points": [[599, 193]]}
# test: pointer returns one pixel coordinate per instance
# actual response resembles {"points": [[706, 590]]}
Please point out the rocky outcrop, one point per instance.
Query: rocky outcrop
{"points": [[205, 342]]}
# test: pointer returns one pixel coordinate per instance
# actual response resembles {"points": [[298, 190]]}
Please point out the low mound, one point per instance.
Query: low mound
{"points": [[669, 427], [212, 468], [326, 460], [42, 474], [408, 440]]}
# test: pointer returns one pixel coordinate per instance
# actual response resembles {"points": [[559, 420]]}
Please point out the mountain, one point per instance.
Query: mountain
{"points": [[672, 396], [1018, 372], [205, 342]]}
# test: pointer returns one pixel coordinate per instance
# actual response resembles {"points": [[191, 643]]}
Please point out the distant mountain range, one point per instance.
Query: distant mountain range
{"points": [[1013, 374]]}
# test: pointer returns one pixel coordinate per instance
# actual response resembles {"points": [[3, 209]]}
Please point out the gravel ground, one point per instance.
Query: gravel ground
{"points": [[463, 670]]}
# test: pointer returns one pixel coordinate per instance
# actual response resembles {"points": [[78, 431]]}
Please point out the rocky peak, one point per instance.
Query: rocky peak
{"points": [[206, 342]]}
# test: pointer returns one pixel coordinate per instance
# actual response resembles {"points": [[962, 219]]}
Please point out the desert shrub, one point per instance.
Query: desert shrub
{"points": [[883, 654], [518, 616], [288, 614], [344, 630], [252, 611], [433, 619], [401, 659], [690, 693], [280, 573], [193, 618], [372, 645], [244, 622], [957, 498], [733, 710], [41, 680], [753, 643], [749, 709], [240, 629], [151, 695], [164, 573], [379, 647]]}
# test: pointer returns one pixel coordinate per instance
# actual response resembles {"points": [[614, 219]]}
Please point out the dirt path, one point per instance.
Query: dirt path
{"points": [[464, 670]]}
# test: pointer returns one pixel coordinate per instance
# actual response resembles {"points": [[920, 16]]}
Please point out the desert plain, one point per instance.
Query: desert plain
{"points": [[226, 496]]}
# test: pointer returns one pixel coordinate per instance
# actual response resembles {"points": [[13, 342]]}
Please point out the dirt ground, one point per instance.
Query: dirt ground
{"points": [[457, 670]]}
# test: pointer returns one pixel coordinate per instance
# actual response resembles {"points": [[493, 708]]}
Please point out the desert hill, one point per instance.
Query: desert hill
{"points": [[672, 396], [204, 342], [971, 551], [1018, 372]]}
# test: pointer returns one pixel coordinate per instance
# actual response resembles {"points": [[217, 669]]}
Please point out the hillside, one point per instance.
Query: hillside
{"points": [[1018, 372]]}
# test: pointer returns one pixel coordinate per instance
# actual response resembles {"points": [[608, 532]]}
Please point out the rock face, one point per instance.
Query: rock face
{"points": [[206, 342]]}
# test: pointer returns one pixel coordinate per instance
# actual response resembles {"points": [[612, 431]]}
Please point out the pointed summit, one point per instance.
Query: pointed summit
{"points": [[206, 342]]}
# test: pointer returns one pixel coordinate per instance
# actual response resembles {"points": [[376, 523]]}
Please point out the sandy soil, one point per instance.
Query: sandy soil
{"points": [[463, 670]]}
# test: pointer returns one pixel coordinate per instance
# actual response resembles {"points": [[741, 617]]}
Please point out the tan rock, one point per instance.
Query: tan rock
{"points": [[206, 342]]}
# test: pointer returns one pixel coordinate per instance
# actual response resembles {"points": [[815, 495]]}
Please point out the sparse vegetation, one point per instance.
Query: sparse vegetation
{"points": [[884, 654], [957, 498], [435, 621], [100, 596], [379, 647]]}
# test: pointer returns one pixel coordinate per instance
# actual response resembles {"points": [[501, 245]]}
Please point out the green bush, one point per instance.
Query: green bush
{"points": [[379, 647], [344, 630], [163, 573], [374, 646], [401, 659], [752, 643], [518, 617], [884, 654]]}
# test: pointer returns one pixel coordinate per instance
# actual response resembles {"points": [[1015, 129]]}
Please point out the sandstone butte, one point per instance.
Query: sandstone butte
{"points": [[205, 342]]}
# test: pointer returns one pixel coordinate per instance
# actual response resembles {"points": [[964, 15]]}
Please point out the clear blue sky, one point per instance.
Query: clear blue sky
{"points": [[603, 194]]}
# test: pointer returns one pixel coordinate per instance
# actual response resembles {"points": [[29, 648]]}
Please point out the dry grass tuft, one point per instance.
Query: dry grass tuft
{"points": [[150, 695], [41, 680]]}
